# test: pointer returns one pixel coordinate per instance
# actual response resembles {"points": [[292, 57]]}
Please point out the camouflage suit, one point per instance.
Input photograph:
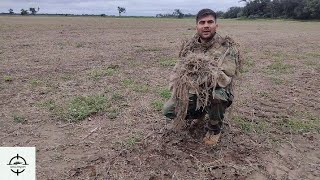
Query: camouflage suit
{"points": [[223, 97]]}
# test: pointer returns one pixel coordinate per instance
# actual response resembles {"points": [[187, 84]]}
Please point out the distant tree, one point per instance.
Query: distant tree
{"points": [[178, 13], [233, 12], [121, 10], [159, 15], [296, 9], [189, 15], [314, 8], [103, 15], [34, 11], [219, 13], [11, 11], [301, 11], [24, 12], [257, 8]]}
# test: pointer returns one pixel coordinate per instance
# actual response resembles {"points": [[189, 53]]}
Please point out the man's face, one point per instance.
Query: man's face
{"points": [[206, 27]]}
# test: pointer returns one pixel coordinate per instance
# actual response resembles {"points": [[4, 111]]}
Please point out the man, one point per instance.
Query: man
{"points": [[207, 42]]}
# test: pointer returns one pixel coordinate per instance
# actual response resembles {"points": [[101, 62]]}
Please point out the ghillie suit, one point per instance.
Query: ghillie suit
{"points": [[201, 68]]}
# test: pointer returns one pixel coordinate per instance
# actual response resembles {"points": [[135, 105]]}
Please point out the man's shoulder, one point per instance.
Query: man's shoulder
{"points": [[226, 41], [188, 40]]}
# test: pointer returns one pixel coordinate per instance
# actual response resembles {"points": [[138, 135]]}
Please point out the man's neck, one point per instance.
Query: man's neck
{"points": [[206, 40]]}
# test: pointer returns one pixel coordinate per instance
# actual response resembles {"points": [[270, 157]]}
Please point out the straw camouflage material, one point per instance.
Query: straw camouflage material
{"points": [[203, 75]]}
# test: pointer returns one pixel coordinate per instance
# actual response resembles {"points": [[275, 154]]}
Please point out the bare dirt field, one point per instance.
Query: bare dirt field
{"points": [[87, 92]]}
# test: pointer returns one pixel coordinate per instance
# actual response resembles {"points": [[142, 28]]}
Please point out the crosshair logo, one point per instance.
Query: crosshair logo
{"points": [[17, 164]]}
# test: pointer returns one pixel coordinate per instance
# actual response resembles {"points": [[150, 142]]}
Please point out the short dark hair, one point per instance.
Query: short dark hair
{"points": [[205, 12]]}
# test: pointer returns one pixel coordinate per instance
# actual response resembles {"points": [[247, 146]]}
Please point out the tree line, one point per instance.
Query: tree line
{"points": [[286, 9], [292, 9], [32, 10], [177, 13]]}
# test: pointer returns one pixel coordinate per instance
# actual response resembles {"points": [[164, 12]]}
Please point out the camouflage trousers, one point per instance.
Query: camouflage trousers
{"points": [[216, 109]]}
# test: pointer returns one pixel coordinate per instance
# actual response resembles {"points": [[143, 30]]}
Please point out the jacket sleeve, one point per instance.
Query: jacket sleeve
{"points": [[228, 68]]}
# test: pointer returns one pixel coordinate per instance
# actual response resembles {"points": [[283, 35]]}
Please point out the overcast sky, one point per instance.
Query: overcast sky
{"points": [[109, 7]]}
